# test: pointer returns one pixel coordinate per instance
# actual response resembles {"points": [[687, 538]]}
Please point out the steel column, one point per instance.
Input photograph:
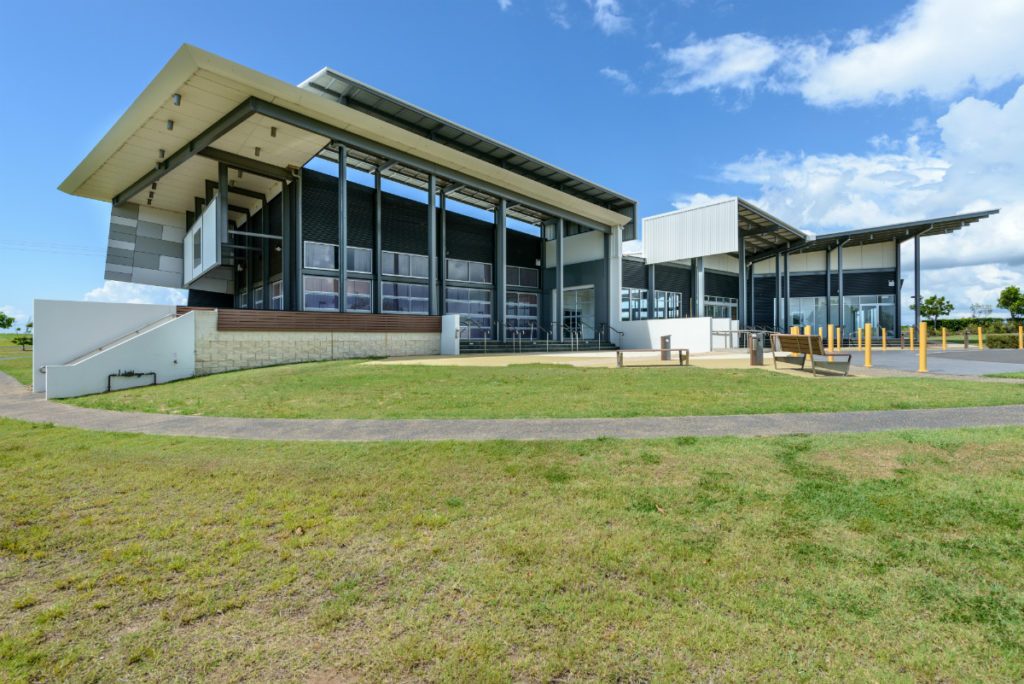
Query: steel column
{"points": [[828, 286], [651, 302], [698, 287], [786, 324], [917, 282], [378, 290], [501, 268], [222, 209], [287, 253], [839, 266], [342, 228], [265, 254], [899, 286], [559, 281], [432, 244], [443, 248], [777, 314], [750, 306], [741, 303]]}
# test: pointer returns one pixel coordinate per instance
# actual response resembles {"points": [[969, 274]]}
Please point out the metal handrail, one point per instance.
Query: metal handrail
{"points": [[118, 340], [594, 330], [547, 340], [487, 331]]}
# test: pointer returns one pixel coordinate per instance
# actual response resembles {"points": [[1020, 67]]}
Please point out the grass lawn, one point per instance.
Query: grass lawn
{"points": [[1017, 374], [18, 366], [890, 556], [352, 389]]}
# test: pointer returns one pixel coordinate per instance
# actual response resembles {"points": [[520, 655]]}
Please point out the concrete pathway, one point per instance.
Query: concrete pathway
{"points": [[17, 402]]}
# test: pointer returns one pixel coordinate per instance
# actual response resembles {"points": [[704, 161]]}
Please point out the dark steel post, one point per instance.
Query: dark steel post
{"points": [[342, 228]]}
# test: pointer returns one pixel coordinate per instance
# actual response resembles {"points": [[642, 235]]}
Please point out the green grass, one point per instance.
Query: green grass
{"points": [[18, 366], [881, 557], [1017, 374], [348, 389]]}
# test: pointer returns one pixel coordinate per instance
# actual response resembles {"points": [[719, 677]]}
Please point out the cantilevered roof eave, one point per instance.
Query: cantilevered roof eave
{"points": [[190, 62]]}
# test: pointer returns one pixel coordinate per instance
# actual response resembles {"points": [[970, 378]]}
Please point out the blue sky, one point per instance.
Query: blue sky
{"points": [[828, 115]]}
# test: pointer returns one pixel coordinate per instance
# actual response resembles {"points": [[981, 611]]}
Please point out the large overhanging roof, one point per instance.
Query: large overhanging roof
{"points": [[763, 232], [897, 231], [350, 92], [201, 107]]}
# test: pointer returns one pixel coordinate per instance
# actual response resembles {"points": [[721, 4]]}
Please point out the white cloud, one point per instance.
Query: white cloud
{"points": [[977, 165], [19, 316], [938, 49], [620, 77], [134, 293], [738, 60], [504, 4], [608, 16], [559, 13], [698, 199]]}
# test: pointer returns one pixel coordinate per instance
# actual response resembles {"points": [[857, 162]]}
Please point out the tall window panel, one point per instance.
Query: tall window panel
{"points": [[320, 293], [474, 307], [404, 298]]}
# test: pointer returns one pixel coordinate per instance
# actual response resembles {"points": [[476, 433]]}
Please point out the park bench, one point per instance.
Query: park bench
{"points": [[807, 347], [684, 354]]}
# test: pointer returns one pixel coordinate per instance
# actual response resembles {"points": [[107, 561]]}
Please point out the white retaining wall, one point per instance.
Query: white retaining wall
{"points": [[64, 330], [690, 333], [167, 350]]}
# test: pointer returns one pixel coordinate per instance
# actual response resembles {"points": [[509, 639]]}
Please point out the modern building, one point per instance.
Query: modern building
{"points": [[209, 179], [730, 260], [331, 220]]}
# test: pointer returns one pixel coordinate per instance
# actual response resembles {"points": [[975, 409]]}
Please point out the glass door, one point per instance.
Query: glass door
{"points": [[578, 311], [868, 313]]}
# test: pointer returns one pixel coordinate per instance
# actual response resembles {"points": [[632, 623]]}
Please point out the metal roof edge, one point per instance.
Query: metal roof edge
{"points": [[448, 122], [782, 224], [971, 216]]}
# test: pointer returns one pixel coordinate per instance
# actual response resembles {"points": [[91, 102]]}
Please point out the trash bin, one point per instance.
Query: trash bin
{"points": [[756, 350], [666, 343]]}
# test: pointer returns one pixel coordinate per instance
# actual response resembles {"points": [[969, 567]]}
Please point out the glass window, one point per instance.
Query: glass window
{"points": [[277, 296], [458, 270], [522, 276], [359, 260], [479, 273], [243, 299], [320, 293], [358, 295], [197, 249], [257, 298], [320, 255], [521, 314], [404, 298], [469, 271], [474, 306], [402, 264]]}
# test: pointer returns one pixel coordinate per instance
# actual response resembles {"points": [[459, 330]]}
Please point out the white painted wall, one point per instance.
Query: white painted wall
{"points": [[881, 255], [577, 249], [724, 341], [66, 330], [688, 233], [169, 350], [690, 333]]}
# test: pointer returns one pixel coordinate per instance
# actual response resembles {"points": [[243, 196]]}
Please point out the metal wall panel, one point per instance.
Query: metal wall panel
{"points": [[691, 233], [634, 274]]}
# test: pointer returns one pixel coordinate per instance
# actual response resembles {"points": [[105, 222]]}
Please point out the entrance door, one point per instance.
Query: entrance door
{"points": [[868, 313], [578, 311]]}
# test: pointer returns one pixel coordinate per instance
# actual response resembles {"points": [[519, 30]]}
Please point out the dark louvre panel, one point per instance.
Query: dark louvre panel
{"points": [[634, 273], [721, 284], [672, 279], [470, 239], [811, 285], [523, 249], [215, 300], [319, 207], [764, 301], [865, 282]]}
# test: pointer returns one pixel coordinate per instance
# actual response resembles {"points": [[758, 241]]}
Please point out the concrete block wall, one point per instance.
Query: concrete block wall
{"points": [[222, 351]]}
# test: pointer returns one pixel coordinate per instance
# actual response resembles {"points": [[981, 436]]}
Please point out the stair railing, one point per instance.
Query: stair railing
{"points": [[487, 331]]}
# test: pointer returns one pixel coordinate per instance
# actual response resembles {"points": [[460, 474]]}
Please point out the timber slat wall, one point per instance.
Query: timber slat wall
{"points": [[318, 321]]}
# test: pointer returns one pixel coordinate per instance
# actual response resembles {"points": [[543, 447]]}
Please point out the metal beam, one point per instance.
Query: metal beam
{"points": [[194, 146], [326, 130], [255, 235], [378, 289], [253, 166], [454, 187]]}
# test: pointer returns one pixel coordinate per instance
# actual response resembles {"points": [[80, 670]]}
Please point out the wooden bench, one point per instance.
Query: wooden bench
{"points": [[807, 347], [684, 354]]}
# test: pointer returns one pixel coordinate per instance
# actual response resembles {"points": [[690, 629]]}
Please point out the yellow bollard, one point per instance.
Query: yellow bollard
{"points": [[883, 339], [911, 337], [943, 338], [860, 344], [839, 338], [922, 363], [981, 342], [820, 334], [1020, 337], [807, 330], [831, 332], [867, 345]]}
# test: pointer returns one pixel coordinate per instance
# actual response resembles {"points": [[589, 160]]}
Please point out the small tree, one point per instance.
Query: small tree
{"points": [[5, 321], [23, 340], [1012, 299], [934, 308]]}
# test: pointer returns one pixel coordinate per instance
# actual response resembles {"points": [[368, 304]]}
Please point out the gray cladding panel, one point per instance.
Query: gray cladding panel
{"points": [[137, 252]]}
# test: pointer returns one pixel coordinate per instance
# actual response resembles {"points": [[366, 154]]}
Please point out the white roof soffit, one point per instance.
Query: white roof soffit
{"points": [[211, 87]]}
